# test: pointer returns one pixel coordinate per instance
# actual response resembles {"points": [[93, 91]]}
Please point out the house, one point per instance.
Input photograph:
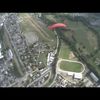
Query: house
{"points": [[10, 54]]}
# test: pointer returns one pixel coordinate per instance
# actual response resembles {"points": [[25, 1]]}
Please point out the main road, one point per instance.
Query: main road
{"points": [[42, 75]]}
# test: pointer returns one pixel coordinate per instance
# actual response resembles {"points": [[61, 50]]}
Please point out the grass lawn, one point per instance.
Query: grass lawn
{"points": [[43, 58], [64, 51], [48, 83], [83, 35], [70, 66]]}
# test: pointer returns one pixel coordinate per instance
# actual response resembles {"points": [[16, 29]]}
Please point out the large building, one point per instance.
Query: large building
{"points": [[94, 77], [78, 75]]}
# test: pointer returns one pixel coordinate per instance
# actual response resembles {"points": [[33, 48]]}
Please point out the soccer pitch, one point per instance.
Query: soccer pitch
{"points": [[71, 66]]}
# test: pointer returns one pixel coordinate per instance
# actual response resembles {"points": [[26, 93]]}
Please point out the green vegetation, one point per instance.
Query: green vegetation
{"points": [[50, 80], [70, 66], [43, 58], [86, 43], [81, 39], [64, 51], [48, 83], [83, 36]]}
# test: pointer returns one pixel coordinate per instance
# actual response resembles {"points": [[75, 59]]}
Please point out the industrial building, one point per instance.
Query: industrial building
{"points": [[94, 77]]}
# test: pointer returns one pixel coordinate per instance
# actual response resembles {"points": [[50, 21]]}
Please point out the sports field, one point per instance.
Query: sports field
{"points": [[71, 66]]}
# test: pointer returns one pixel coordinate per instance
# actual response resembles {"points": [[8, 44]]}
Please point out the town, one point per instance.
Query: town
{"points": [[33, 55]]}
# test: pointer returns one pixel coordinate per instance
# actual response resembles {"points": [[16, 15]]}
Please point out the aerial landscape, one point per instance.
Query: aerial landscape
{"points": [[50, 50]]}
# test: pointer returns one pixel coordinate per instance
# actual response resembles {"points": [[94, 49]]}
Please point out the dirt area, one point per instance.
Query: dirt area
{"points": [[31, 37], [71, 55]]}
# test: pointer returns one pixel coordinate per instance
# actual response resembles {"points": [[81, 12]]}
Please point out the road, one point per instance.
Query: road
{"points": [[55, 53], [18, 81], [42, 74], [53, 80], [57, 42], [46, 80]]}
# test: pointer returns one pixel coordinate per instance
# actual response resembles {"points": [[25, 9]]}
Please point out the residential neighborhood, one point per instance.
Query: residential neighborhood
{"points": [[49, 50]]}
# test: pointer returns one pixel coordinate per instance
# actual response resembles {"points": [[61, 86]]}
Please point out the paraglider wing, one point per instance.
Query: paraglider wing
{"points": [[58, 25]]}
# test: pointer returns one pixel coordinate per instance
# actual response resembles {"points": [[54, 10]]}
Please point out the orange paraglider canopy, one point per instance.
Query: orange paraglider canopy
{"points": [[58, 25]]}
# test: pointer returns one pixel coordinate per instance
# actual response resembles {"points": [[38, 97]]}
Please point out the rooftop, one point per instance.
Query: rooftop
{"points": [[78, 75], [1, 56], [94, 76]]}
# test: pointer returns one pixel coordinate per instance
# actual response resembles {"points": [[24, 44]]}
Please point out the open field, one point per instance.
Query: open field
{"points": [[71, 66], [43, 58], [30, 24], [64, 51], [84, 36]]}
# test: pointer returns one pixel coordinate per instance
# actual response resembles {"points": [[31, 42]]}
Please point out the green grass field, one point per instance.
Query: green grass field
{"points": [[64, 51], [43, 58], [71, 66], [83, 35]]}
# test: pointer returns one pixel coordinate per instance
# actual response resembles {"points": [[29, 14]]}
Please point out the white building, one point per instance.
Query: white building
{"points": [[1, 24], [78, 75], [1, 21], [94, 77], [70, 73], [1, 56], [50, 58], [10, 54]]}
